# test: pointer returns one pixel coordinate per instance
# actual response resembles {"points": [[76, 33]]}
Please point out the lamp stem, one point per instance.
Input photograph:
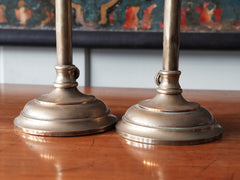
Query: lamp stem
{"points": [[64, 31], [172, 16]]}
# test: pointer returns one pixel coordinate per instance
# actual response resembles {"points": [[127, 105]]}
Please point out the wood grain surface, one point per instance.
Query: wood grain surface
{"points": [[107, 155]]}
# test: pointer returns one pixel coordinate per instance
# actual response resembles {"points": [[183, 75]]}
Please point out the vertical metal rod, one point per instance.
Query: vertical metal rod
{"points": [[64, 31], [87, 54], [172, 15]]}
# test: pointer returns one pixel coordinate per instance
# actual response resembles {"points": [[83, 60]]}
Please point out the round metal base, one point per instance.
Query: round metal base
{"points": [[153, 126], [65, 112]]}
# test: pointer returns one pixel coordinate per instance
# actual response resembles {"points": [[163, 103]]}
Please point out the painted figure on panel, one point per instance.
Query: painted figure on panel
{"points": [[23, 13], [78, 17], [47, 12], [106, 8], [3, 13]]}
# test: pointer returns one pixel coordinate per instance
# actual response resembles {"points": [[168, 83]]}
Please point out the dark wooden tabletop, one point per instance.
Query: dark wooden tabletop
{"points": [[107, 155]]}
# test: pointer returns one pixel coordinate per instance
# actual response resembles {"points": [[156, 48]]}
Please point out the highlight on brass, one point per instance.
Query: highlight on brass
{"points": [[65, 111], [168, 118]]}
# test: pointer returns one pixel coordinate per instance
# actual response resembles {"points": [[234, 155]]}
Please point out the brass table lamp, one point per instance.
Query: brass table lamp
{"points": [[65, 111], [168, 118]]}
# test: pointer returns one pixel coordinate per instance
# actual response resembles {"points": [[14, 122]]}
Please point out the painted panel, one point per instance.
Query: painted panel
{"points": [[123, 15]]}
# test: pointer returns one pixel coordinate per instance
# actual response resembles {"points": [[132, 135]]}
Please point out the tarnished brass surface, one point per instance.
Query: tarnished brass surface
{"points": [[172, 15], [65, 111], [168, 118], [63, 10]]}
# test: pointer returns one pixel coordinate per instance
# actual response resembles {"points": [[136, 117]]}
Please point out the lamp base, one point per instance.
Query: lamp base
{"points": [[169, 120], [65, 112]]}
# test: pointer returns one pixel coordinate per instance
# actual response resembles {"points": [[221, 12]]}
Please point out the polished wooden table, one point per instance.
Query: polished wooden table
{"points": [[107, 155]]}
